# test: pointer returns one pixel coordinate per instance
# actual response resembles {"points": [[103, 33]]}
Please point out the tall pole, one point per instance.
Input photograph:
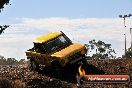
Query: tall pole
{"points": [[125, 44], [125, 34], [124, 17], [131, 38], [124, 21]]}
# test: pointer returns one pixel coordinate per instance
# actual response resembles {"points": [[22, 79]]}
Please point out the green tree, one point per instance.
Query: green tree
{"points": [[128, 53], [2, 28], [8, 61], [11, 61], [22, 61], [2, 60], [100, 49], [2, 4]]}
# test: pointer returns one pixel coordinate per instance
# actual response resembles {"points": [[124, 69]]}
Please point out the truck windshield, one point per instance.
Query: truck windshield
{"points": [[57, 43]]}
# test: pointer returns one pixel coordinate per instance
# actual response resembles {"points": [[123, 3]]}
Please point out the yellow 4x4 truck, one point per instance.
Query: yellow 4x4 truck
{"points": [[55, 50]]}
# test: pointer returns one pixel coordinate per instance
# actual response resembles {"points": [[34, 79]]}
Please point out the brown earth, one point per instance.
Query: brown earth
{"points": [[19, 76]]}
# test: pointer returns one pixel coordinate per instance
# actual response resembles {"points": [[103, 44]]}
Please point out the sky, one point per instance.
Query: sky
{"points": [[81, 20]]}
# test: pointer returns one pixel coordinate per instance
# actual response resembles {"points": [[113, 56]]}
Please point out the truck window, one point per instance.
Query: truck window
{"points": [[56, 44]]}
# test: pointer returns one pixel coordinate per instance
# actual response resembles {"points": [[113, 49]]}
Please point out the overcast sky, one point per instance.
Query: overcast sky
{"points": [[81, 20]]}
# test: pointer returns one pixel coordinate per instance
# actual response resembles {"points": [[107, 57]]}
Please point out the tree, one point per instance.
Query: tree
{"points": [[22, 61], [11, 61], [128, 53], [2, 60], [2, 3], [2, 28], [100, 49], [8, 61]]}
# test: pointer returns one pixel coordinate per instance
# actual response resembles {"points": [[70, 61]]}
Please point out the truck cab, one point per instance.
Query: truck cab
{"points": [[56, 50]]}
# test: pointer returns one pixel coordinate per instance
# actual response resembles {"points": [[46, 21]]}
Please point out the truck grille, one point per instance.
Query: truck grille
{"points": [[75, 57]]}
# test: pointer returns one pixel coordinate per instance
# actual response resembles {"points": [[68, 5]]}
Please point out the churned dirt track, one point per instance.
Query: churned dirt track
{"points": [[19, 76]]}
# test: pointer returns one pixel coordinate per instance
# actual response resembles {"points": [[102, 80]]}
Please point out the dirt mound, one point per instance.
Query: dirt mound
{"points": [[19, 76], [4, 83]]}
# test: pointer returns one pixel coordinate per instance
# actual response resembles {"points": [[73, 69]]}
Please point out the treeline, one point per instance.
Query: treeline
{"points": [[10, 61]]}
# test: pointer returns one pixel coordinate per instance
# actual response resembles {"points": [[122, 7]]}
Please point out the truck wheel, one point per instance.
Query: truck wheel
{"points": [[57, 69], [34, 66], [85, 61]]}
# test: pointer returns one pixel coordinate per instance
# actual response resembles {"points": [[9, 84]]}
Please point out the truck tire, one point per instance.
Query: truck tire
{"points": [[84, 61], [34, 66], [57, 69]]}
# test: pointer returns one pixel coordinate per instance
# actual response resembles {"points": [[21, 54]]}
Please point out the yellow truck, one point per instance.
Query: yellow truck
{"points": [[55, 50]]}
